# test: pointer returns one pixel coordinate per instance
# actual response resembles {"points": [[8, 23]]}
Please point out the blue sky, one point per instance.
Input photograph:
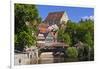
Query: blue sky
{"points": [[74, 13]]}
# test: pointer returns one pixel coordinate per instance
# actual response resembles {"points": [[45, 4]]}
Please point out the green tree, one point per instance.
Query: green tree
{"points": [[78, 30], [60, 35], [64, 37], [26, 17], [88, 39], [67, 38], [25, 13], [89, 47], [82, 31]]}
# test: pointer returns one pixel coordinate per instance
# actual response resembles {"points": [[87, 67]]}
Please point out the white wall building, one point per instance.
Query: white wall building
{"points": [[57, 18]]}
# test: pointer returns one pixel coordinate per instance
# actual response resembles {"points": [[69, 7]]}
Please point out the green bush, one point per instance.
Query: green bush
{"points": [[72, 52], [80, 51]]}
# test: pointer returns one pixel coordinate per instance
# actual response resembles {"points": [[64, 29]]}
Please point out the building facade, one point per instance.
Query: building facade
{"points": [[50, 26], [57, 18]]}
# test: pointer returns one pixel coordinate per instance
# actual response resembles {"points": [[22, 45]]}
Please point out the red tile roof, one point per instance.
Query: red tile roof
{"points": [[54, 16], [43, 27]]}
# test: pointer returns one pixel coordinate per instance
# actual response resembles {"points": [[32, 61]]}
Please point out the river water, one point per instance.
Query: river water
{"points": [[47, 57]]}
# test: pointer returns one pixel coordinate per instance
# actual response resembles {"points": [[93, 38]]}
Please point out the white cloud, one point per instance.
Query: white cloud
{"points": [[88, 17]]}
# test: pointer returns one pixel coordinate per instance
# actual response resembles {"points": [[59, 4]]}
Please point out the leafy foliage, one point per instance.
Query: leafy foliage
{"points": [[88, 39], [72, 52], [26, 19], [64, 37], [78, 31], [82, 31]]}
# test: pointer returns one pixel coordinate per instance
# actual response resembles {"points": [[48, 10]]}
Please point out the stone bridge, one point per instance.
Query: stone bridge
{"points": [[57, 48]]}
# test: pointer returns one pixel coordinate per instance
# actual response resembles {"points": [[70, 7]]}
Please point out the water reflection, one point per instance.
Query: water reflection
{"points": [[46, 58]]}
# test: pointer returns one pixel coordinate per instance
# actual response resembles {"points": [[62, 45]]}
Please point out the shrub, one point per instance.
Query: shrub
{"points": [[72, 52]]}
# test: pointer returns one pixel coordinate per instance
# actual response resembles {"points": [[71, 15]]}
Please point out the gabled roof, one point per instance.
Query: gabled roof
{"points": [[54, 16]]}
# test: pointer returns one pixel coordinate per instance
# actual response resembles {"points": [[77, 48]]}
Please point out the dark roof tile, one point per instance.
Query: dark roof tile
{"points": [[54, 16]]}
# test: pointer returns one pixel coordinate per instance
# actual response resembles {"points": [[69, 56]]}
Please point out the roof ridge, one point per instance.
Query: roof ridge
{"points": [[57, 12]]}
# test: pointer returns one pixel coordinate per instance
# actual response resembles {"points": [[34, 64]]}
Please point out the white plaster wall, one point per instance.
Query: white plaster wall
{"points": [[64, 18]]}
